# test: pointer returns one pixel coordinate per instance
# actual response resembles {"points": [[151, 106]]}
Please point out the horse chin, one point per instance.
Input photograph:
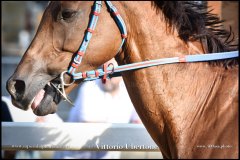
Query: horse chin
{"points": [[47, 106], [46, 100]]}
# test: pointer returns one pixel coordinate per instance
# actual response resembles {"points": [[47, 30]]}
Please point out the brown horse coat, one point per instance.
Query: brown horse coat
{"points": [[190, 110]]}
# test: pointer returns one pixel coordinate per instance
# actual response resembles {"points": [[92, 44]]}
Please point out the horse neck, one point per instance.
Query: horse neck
{"points": [[161, 94]]}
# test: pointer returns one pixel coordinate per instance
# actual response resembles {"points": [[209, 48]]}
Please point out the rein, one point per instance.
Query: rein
{"points": [[109, 70]]}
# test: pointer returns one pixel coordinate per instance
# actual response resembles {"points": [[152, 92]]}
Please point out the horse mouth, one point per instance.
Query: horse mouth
{"points": [[46, 100]]}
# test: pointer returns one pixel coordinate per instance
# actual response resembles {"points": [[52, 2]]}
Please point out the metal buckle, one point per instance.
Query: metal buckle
{"points": [[60, 88]]}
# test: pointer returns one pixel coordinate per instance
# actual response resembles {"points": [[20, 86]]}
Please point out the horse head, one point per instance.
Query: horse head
{"points": [[59, 35]]}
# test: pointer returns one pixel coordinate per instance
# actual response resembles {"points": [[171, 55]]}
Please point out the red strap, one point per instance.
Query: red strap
{"points": [[96, 13], [104, 79], [84, 74], [96, 73], [74, 65], [90, 30], [182, 59], [80, 53], [115, 13], [124, 35]]}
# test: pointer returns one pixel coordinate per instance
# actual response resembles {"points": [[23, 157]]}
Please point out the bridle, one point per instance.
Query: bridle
{"points": [[82, 49], [109, 70]]}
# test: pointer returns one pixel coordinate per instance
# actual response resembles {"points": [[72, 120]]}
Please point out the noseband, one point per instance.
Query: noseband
{"points": [[110, 70]]}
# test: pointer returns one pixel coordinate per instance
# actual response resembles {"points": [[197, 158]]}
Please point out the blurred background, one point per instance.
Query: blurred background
{"points": [[20, 20]]}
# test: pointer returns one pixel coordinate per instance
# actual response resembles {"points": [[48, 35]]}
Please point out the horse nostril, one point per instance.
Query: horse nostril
{"points": [[16, 88]]}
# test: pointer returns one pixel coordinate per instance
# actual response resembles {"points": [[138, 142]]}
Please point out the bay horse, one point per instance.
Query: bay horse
{"points": [[189, 109]]}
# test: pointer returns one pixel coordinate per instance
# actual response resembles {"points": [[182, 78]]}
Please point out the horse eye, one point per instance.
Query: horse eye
{"points": [[68, 14]]}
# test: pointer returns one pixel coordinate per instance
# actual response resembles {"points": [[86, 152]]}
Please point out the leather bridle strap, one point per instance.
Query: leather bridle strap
{"points": [[87, 37], [93, 22], [114, 71]]}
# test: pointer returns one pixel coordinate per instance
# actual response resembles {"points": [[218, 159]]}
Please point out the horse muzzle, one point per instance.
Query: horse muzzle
{"points": [[41, 97]]}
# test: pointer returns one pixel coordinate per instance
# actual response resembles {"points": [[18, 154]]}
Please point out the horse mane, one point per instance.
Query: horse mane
{"points": [[193, 22]]}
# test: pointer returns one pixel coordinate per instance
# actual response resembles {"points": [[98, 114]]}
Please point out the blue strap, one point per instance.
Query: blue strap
{"points": [[92, 24], [212, 56], [120, 23], [86, 39], [115, 71]]}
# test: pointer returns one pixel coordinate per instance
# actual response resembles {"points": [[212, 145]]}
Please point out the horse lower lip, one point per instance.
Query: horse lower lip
{"points": [[37, 99]]}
